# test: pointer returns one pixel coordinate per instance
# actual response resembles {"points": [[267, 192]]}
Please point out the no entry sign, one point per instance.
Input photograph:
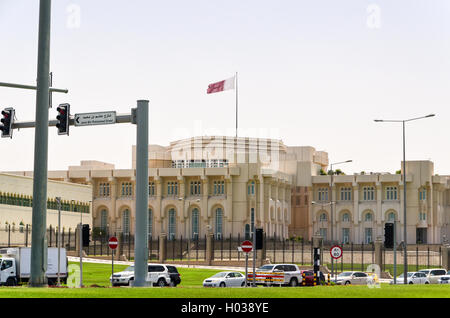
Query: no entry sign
{"points": [[336, 252], [113, 243], [247, 246]]}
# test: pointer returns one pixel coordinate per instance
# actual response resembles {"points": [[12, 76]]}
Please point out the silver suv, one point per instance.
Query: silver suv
{"points": [[158, 274]]}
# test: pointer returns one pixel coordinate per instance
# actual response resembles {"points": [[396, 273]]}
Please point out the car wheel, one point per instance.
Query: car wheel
{"points": [[410, 283], [293, 282], [243, 284], [347, 283], [222, 284], [426, 282], [161, 282]]}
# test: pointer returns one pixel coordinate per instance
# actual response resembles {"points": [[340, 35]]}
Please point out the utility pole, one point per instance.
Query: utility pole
{"points": [[141, 229], [39, 210]]}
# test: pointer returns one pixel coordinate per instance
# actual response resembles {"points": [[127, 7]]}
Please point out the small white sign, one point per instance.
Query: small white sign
{"points": [[91, 119]]}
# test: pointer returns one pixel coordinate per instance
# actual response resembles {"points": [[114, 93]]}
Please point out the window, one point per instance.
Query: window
{"points": [[345, 235], [368, 193], [323, 217], [150, 222], [195, 224], [368, 217], [251, 188], [368, 235], [252, 221], [103, 219], [322, 194], [126, 221], [172, 224], [422, 216], [391, 217], [151, 189], [219, 187], [345, 217], [172, 188], [346, 194], [391, 193], [422, 194], [323, 233], [127, 189], [196, 188], [103, 190], [218, 227]]}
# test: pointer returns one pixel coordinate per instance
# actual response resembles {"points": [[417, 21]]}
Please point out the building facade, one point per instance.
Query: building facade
{"points": [[231, 185]]}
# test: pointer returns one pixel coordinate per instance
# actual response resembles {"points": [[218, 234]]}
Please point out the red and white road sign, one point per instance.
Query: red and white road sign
{"points": [[247, 246], [336, 252], [113, 243]]}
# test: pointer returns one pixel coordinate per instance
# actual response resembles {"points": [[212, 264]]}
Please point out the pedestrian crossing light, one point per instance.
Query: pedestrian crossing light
{"points": [[63, 119], [7, 122]]}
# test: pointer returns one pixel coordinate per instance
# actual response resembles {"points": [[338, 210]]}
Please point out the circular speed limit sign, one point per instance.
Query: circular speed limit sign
{"points": [[336, 252]]}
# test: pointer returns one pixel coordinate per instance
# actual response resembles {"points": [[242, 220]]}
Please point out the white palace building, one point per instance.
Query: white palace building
{"points": [[229, 185]]}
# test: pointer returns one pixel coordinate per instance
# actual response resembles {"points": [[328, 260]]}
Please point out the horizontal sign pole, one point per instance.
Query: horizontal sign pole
{"points": [[123, 118], [52, 89]]}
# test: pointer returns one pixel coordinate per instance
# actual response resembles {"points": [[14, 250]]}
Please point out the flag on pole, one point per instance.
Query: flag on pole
{"points": [[222, 85]]}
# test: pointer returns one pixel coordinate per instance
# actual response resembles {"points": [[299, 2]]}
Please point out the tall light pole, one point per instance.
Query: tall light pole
{"points": [[331, 197], [405, 245]]}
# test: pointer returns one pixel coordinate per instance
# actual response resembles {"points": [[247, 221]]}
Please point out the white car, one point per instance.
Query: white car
{"points": [[412, 278], [445, 279], [290, 275], [225, 279], [434, 274], [354, 278], [158, 274]]}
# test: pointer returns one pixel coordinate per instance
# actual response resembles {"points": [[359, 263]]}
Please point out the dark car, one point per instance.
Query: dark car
{"points": [[309, 278]]}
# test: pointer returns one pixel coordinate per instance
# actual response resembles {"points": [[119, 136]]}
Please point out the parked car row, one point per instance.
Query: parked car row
{"points": [[425, 276], [274, 275]]}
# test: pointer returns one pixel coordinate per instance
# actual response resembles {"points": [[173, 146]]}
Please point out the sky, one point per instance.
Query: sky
{"points": [[312, 73]]}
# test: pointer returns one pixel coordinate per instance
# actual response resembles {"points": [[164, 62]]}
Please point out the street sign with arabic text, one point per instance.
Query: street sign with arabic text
{"points": [[91, 119]]}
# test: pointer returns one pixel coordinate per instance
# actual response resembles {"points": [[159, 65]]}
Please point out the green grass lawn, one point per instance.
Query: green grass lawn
{"points": [[191, 287]]}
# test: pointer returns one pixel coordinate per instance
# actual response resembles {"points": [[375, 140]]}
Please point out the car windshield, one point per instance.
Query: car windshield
{"points": [[129, 269], [266, 268], [409, 275], [345, 274], [425, 271], [219, 275]]}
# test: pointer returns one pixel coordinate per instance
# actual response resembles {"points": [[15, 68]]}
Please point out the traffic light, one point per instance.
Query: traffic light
{"points": [[85, 235], [7, 122], [259, 239], [63, 119], [389, 235]]}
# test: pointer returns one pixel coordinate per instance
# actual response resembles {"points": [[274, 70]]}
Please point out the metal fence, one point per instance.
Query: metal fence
{"points": [[355, 256]]}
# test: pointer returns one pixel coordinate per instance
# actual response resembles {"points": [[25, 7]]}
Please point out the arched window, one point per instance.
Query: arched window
{"points": [[323, 217], [368, 217], [391, 217], [195, 224], [126, 221], [103, 219], [150, 222], [251, 188], [218, 223], [172, 224], [345, 217]]}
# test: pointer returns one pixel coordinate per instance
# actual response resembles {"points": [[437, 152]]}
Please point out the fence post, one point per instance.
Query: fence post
{"points": [[362, 257], [428, 256], [181, 247], [239, 243], [417, 258], [221, 247], [150, 248], [303, 244], [26, 236], [274, 247], [9, 235], [162, 241], [351, 249], [293, 242], [230, 247], [129, 245], [50, 234]]}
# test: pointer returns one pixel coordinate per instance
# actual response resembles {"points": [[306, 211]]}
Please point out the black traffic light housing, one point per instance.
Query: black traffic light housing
{"points": [[389, 235], [7, 122], [259, 239], [63, 119], [85, 235]]}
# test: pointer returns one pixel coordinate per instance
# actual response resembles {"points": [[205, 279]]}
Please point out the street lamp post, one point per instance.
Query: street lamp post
{"points": [[405, 245]]}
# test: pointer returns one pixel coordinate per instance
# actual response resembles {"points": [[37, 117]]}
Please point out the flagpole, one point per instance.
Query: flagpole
{"points": [[236, 89]]}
